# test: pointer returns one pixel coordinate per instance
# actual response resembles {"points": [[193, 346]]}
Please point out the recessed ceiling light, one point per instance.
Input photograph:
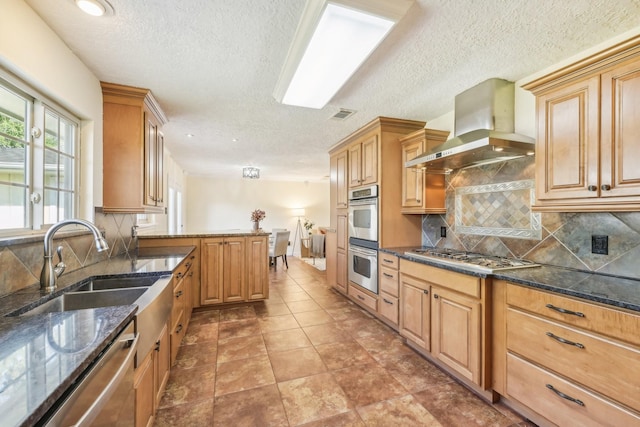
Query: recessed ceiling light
{"points": [[95, 7], [234, 140], [189, 135]]}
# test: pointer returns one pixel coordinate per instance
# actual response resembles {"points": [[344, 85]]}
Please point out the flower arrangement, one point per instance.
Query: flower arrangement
{"points": [[308, 225], [258, 215]]}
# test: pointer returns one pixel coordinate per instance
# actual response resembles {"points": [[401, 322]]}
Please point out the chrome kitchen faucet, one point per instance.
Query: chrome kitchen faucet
{"points": [[50, 274]]}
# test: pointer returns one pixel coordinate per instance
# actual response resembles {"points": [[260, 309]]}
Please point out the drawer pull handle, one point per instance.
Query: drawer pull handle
{"points": [[360, 297], [388, 275], [388, 261], [178, 294], [564, 310], [565, 396], [179, 328], [564, 341], [387, 301], [179, 275]]}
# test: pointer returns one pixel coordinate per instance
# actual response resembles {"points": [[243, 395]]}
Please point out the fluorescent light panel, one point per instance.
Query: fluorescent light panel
{"points": [[343, 37]]}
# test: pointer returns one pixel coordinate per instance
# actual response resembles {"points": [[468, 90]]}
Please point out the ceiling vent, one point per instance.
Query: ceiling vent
{"points": [[343, 114]]}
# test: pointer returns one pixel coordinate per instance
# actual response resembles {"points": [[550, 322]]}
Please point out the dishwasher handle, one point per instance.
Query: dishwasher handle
{"points": [[128, 340]]}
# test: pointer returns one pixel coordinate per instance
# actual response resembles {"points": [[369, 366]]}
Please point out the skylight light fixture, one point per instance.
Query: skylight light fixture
{"points": [[334, 37], [95, 7]]}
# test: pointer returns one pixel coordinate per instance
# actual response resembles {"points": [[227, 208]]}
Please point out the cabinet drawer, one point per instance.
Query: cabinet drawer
{"points": [[178, 302], [389, 307], [588, 359], [389, 281], [606, 321], [388, 260], [530, 385], [458, 282], [363, 298], [178, 332]]}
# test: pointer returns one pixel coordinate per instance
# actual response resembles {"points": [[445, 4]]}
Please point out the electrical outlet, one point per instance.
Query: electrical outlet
{"points": [[443, 231], [600, 245]]}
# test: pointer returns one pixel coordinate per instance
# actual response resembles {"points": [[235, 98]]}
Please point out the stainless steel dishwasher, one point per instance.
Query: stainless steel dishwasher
{"points": [[105, 395]]}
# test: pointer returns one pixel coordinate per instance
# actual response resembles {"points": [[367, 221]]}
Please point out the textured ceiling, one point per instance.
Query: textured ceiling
{"points": [[213, 66]]}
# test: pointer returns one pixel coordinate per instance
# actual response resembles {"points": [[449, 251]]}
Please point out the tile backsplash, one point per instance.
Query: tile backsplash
{"points": [[21, 263], [487, 212]]}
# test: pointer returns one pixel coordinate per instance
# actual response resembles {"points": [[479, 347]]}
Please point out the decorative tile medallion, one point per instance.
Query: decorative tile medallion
{"points": [[502, 209]]}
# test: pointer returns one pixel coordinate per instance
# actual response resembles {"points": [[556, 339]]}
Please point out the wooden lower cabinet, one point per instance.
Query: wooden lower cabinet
{"points": [[257, 250], [234, 269], [455, 332], [443, 312], [150, 379], [415, 310], [569, 361]]}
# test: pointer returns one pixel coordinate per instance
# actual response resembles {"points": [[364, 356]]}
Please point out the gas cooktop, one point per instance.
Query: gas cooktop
{"points": [[470, 260]]}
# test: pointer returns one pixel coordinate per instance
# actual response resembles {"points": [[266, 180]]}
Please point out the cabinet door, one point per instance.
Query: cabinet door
{"points": [[150, 159], [342, 231], [341, 271], [145, 394], [415, 311], [455, 332], [620, 121], [257, 268], [567, 162], [355, 165], [234, 288], [159, 177], [162, 364], [342, 186], [412, 178], [211, 273], [370, 161]]}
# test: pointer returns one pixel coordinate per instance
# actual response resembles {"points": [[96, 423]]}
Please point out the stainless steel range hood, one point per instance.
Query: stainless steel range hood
{"points": [[484, 131]]}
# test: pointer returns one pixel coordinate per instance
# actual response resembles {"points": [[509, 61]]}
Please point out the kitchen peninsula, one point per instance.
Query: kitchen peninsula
{"points": [[229, 266]]}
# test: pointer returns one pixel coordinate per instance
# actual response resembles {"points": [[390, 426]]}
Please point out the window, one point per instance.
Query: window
{"points": [[38, 160]]}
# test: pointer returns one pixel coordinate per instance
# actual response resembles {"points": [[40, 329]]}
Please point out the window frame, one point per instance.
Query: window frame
{"points": [[39, 104]]}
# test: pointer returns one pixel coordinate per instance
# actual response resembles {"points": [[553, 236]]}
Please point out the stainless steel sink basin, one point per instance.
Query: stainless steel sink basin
{"points": [[117, 283], [89, 299]]}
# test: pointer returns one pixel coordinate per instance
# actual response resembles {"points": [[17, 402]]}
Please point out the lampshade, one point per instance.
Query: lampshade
{"points": [[334, 37], [251, 173], [297, 212]]}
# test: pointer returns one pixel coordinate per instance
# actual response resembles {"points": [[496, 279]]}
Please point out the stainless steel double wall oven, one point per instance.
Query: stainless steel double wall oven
{"points": [[363, 237]]}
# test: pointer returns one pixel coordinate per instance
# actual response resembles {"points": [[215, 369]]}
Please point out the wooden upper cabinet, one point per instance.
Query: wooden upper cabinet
{"points": [[342, 187], [422, 193], [133, 147], [588, 127], [363, 162]]}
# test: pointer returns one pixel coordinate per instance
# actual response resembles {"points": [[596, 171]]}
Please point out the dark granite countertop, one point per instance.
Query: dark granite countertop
{"points": [[615, 291], [205, 233], [41, 356]]}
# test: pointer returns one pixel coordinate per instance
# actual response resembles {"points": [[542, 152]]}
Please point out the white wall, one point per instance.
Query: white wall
{"points": [[34, 53], [222, 204]]}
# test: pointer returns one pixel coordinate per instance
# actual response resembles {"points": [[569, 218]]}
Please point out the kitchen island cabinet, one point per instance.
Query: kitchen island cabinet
{"points": [[588, 123], [133, 150], [223, 265]]}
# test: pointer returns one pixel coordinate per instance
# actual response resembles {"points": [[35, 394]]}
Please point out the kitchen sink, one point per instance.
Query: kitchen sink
{"points": [[117, 283], [89, 299]]}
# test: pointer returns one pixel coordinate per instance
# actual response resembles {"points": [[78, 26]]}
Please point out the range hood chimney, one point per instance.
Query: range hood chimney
{"points": [[483, 133]]}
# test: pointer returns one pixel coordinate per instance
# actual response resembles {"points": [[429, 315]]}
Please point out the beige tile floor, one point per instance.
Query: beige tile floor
{"points": [[310, 357]]}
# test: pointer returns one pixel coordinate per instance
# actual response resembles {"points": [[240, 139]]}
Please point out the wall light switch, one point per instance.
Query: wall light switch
{"points": [[600, 245]]}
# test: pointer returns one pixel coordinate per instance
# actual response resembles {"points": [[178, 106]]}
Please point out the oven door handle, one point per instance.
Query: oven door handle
{"points": [[362, 251], [361, 202], [130, 340]]}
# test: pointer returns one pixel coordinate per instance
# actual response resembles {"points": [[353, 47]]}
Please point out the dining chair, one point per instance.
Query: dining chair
{"points": [[279, 248]]}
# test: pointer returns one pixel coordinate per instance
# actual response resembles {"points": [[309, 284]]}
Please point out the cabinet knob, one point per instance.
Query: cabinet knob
{"points": [[436, 296], [418, 201], [426, 292], [605, 187], [592, 188]]}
